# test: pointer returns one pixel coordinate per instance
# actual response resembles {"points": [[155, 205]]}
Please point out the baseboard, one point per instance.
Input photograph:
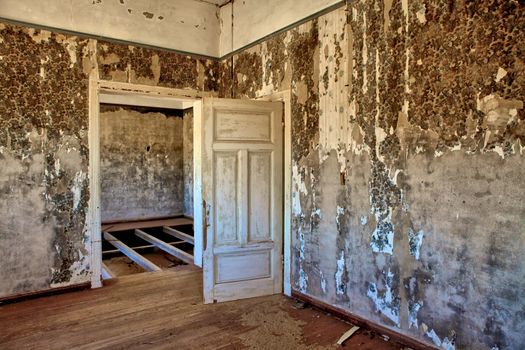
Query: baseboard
{"points": [[15, 298], [364, 323]]}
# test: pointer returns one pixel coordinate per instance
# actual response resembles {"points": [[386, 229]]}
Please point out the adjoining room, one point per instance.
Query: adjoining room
{"points": [[146, 175]]}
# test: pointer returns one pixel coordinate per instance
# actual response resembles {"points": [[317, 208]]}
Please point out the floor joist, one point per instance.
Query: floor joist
{"points": [[130, 253], [106, 272], [180, 254], [141, 247], [178, 234]]}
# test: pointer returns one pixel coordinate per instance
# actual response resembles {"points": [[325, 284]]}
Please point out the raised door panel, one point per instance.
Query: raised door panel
{"points": [[259, 194], [245, 125], [232, 267], [226, 198]]}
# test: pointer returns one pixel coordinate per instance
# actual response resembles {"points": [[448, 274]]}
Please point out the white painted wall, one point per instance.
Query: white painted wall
{"points": [[225, 15], [193, 26], [254, 19], [185, 25]]}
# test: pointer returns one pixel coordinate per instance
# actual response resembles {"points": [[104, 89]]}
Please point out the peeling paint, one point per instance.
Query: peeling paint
{"points": [[385, 302], [323, 282], [415, 239], [148, 15], [340, 286], [420, 14], [500, 74], [78, 185], [445, 344], [413, 308], [382, 240], [303, 277]]}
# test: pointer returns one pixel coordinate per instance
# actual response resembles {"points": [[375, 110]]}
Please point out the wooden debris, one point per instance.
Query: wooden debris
{"points": [[347, 335]]}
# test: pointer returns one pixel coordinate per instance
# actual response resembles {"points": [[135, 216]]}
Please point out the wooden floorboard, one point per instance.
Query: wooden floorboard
{"points": [[124, 226], [164, 310]]}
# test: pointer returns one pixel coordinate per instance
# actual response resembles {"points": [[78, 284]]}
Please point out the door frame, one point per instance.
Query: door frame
{"points": [[285, 96], [107, 91], [98, 87]]}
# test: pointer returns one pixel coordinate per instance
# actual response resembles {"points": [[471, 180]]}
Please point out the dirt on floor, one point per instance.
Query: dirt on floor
{"points": [[283, 323], [123, 266]]}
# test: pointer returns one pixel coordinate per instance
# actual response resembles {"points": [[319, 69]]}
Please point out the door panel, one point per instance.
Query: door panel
{"points": [[228, 266], [242, 191], [226, 197], [259, 194], [232, 125]]}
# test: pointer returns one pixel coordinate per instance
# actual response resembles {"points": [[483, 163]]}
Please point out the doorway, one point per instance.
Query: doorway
{"points": [[245, 134], [146, 178], [141, 179]]}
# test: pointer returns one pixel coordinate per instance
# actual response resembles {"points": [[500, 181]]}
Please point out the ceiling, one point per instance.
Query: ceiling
{"points": [[217, 2]]}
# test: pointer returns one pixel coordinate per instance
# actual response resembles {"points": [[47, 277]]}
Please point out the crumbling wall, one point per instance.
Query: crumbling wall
{"points": [[407, 158], [408, 135], [44, 160], [187, 154], [141, 163], [44, 181], [140, 65]]}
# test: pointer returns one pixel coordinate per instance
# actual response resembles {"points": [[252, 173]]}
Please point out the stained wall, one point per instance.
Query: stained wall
{"points": [[408, 134], [187, 159], [141, 163], [407, 150], [44, 145]]}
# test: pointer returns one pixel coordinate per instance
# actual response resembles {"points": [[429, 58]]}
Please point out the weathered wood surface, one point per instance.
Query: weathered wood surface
{"points": [[164, 310]]}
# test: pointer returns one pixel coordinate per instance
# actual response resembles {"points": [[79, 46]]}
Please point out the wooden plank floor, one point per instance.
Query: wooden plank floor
{"points": [[123, 226], [164, 310]]}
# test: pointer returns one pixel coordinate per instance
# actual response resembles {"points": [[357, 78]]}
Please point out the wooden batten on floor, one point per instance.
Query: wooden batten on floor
{"points": [[141, 247], [106, 272], [178, 234], [130, 253], [176, 252]]}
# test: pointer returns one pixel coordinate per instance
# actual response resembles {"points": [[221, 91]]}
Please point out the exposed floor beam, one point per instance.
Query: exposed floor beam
{"points": [[178, 234], [141, 247], [180, 254], [130, 253], [106, 272]]}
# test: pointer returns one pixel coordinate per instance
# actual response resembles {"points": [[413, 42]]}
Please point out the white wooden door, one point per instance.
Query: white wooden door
{"points": [[242, 162]]}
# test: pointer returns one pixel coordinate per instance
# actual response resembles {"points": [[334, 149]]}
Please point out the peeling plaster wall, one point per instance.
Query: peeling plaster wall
{"points": [[408, 172], [44, 145], [141, 163], [184, 25], [187, 154], [408, 133]]}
